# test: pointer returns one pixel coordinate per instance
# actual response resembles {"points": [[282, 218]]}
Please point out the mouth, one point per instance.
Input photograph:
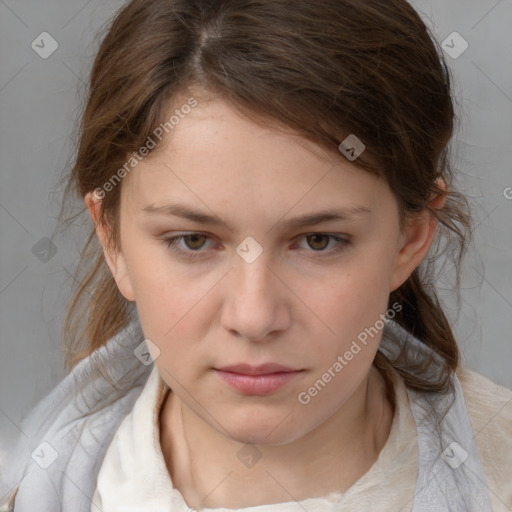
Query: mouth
{"points": [[261, 381], [262, 369]]}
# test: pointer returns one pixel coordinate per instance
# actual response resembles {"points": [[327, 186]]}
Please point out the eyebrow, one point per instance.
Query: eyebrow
{"points": [[309, 219]]}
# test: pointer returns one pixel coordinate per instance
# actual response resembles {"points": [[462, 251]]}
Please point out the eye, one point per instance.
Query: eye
{"points": [[319, 241], [194, 242]]}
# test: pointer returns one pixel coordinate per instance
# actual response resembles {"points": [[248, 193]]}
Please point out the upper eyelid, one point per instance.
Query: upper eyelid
{"points": [[200, 233]]}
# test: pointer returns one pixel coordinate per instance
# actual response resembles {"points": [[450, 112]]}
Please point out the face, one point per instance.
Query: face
{"points": [[252, 284]]}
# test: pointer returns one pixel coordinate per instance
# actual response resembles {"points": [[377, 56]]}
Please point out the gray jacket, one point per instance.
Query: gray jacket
{"points": [[55, 462]]}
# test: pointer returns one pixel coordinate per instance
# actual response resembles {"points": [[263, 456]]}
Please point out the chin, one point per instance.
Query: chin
{"points": [[270, 432]]}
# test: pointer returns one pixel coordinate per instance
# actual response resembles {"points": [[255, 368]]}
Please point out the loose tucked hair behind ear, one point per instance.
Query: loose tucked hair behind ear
{"points": [[326, 69]]}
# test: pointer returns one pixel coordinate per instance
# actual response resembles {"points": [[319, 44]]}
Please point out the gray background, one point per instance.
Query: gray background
{"points": [[39, 104]]}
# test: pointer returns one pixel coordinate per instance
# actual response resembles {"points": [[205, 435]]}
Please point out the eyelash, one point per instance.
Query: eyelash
{"points": [[170, 242]]}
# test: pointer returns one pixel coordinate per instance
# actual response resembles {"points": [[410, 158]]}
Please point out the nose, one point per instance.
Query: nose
{"points": [[256, 301]]}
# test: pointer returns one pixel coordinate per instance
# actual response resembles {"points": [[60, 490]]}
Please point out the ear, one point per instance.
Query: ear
{"points": [[114, 258], [417, 239]]}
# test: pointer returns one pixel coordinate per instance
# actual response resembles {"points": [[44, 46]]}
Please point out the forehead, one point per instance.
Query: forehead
{"points": [[216, 157]]}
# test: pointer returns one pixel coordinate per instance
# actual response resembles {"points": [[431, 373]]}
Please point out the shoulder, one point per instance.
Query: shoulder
{"points": [[489, 404], [76, 420], [490, 410]]}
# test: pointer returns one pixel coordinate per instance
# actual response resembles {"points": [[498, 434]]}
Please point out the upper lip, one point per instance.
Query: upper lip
{"points": [[261, 369]]}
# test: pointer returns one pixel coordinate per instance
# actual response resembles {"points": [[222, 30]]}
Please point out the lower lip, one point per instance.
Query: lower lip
{"points": [[257, 384]]}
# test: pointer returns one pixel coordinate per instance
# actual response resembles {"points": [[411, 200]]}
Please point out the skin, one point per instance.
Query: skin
{"points": [[299, 304]]}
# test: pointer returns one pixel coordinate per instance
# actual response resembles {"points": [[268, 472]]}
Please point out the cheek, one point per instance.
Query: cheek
{"points": [[161, 292], [350, 305], [360, 292], [172, 304]]}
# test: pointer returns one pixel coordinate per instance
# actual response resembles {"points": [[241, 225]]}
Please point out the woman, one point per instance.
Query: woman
{"points": [[221, 142]]}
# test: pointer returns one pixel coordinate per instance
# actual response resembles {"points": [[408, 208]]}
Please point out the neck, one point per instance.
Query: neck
{"points": [[205, 465]]}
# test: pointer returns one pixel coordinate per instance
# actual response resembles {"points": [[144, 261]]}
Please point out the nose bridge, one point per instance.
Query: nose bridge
{"points": [[253, 308], [253, 279]]}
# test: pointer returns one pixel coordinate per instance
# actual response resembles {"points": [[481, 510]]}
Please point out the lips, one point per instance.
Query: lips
{"points": [[262, 369], [257, 380]]}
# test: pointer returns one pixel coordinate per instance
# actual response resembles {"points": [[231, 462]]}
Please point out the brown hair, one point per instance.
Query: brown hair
{"points": [[326, 69]]}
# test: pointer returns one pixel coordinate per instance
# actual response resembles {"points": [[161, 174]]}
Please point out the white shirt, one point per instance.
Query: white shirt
{"points": [[134, 476]]}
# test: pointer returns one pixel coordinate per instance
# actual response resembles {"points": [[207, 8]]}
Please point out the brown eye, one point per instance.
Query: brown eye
{"points": [[188, 245], [324, 245], [195, 244], [317, 241]]}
